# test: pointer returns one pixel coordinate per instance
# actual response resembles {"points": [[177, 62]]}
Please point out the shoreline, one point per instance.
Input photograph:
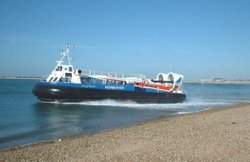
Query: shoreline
{"points": [[133, 139], [113, 129]]}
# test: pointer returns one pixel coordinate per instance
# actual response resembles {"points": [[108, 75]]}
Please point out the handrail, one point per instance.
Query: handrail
{"points": [[113, 74]]}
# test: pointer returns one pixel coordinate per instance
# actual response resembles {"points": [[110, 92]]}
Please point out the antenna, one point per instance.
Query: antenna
{"points": [[65, 52]]}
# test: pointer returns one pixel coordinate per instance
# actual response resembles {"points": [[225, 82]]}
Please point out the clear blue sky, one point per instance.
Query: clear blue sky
{"points": [[197, 38]]}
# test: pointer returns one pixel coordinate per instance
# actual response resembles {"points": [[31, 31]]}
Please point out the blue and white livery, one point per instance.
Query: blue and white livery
{"points": [[67, 84]]}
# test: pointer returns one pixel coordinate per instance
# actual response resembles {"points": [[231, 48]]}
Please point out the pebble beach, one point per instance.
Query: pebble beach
{"points": [[213, 135]]}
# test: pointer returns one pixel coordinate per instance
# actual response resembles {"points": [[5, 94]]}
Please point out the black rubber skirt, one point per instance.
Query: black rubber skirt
{"points": [[76, 94]]}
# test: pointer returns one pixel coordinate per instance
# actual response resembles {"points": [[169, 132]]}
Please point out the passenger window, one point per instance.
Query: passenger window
{"points": [[59, 68], [68, 74], [99, 81], [51, 79], [84, 80]]}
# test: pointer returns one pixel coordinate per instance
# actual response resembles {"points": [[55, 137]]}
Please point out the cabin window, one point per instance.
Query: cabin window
{"points": [[67, 79], [59, 68], [99, 81], [68, 74], [89, 80], [50, 79], [122, 82], [108, 82], [55, 79], [84, 80], [70, 69], [92, 80]]}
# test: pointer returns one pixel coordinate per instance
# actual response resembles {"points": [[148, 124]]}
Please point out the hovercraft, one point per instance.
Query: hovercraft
{"points": [[67, 84]]}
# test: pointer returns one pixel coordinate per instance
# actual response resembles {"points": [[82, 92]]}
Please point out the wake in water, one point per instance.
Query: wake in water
{"points": [[184, 107]]}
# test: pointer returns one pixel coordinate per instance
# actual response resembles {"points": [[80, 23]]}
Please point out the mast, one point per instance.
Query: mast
{"points": [[66, 54]]}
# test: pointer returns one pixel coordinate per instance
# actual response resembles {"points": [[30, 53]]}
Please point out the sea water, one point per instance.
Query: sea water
{"points": [[25, 120]]}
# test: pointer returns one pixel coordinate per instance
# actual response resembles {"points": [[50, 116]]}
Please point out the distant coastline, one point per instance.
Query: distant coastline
{"points": [[21, 77], [219, 82]]}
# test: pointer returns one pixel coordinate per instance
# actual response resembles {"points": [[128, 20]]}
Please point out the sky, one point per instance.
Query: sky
{"points": [[197, 38]]}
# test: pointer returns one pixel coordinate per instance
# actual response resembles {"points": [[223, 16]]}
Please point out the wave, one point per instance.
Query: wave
{"points": [[187, 105]]}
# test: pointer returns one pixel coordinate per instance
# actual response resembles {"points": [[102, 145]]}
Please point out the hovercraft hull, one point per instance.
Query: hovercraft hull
{"points": [[78, 93]]}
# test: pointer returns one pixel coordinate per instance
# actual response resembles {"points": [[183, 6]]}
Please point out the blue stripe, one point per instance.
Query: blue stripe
{"points": [[127, 87]]}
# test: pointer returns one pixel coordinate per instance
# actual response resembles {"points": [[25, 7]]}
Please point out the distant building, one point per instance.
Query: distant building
{"points": [[218, 80], [213, 80]]}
